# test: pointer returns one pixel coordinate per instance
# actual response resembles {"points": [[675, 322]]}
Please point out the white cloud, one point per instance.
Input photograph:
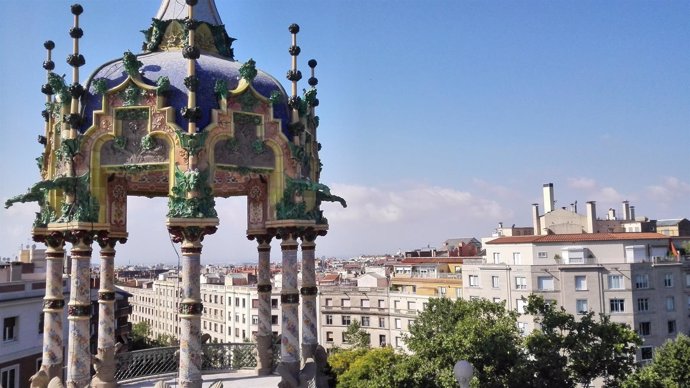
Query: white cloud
{"points": [[669, 190], [582, 183]]}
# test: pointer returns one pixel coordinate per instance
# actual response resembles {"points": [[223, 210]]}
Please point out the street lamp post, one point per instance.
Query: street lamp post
{"points": [[463, 371]]}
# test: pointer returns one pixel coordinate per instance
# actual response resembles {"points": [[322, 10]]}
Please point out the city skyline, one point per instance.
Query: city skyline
{"points": [[438, 120]]}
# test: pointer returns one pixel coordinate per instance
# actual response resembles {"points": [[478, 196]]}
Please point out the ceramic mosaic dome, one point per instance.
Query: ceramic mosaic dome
{"points": [[162, 57]]}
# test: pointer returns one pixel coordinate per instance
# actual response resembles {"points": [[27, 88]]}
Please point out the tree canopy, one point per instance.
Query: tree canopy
{"points": [[562, 351], [670, 367]]}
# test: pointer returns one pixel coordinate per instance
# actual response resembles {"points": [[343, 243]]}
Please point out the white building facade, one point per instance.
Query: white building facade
{"points": [[629, 276]]}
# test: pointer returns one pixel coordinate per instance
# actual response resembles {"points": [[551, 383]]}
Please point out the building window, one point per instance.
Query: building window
{"points": [[497, 300], [411, 305], [364, 303], [581, 306], [329, 336], [365, 321], [642, 281], [670, 303], [580, 283], [542, 255], [237, 302], [274, 303], [644, 328], [517, 258], [671, 327], [642, 304], [520, 305], [615, 282], [522, 326], [255, 303], [398, 323], [474, 280], [397, 342], [345, 338], [668, 280], [255, 319], [9, 376], [329, 302], [345, 320], [274, 319], [647, 353], [329, 319], [345, 302], [9, 329], [494, 281], [382, 323], [520, 283], [497, 257], [617, 305], [382, 340], [382, 303], [545, 283]]}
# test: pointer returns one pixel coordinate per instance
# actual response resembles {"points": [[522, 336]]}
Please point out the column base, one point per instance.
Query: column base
{"points": [[42, 378], [264, 357], [289, 374], [104, 364], [190, 384]]}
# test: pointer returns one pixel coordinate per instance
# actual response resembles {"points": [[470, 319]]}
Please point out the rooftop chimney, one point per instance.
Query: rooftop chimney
{"points": [[625, 214], [535, 219], [591, 216], [549, 203], [632, 213], [612, 214]]}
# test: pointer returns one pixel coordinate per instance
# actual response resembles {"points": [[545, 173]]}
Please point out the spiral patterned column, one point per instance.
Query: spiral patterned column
{"points": [[104, 363], [264, 338], [53, 305], [289, 298], [190, 315], [308, 291], [79, 311]]}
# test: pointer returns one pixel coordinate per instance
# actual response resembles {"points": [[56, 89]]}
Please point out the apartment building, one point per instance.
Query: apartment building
{"points": [[429, 276], [636, 278], [385, 315], [230, 312], [22, 288]]}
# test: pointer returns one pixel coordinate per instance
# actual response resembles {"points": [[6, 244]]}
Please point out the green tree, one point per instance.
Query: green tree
{"points": [[479, 331], [373, 369], [670, 367], [140, 336], [356, 336], [567, 351]]}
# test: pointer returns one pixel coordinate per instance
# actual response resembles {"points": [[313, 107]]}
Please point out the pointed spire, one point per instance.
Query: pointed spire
{"points": [[204, 11]]}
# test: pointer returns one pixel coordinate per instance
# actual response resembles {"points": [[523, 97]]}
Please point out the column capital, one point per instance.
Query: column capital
{"points": [[81, 241], [55, 241], [262, 239], [190, 233], [107, 241]]}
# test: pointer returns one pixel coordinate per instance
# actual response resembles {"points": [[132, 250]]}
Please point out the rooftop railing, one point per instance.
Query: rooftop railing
{"points": [[215, 358]]}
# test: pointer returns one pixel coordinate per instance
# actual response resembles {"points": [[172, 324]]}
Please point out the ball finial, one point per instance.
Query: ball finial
{"points": [[294, 28], [312, 63], [49, 44], [191, 3], [77, 9]]}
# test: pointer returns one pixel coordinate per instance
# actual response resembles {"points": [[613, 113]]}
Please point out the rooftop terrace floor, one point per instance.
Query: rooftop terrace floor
{"points": [[238, 379]]}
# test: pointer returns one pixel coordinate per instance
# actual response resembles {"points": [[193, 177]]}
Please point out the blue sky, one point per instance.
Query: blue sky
{"points": [[439, 119]]}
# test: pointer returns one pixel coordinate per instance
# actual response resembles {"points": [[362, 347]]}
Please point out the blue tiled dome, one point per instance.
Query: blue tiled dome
{"points": [[171, 64]]}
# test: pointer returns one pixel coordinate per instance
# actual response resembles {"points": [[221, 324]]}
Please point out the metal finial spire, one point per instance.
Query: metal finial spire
{"points": [[76, 60], [48, 65], [293, 74]]}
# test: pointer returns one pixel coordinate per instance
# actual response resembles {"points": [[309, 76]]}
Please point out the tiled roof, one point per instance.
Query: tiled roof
{"points": [[430, 260], [579, 237]]}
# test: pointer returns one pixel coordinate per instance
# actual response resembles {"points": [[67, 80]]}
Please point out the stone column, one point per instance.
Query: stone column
{"points": [[53, 307], [264, 337], [289, 297], [190, 308], [104, 363], [79, 311], [308, 291]]}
